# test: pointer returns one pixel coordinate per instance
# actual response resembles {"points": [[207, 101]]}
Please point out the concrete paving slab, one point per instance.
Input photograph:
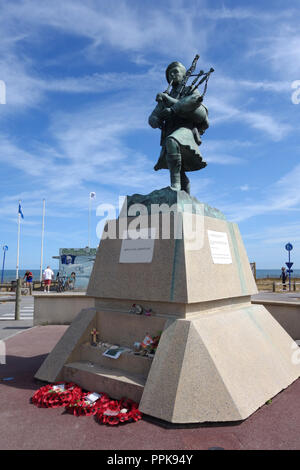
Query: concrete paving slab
{"points": [[9, 328], [277, 297]]}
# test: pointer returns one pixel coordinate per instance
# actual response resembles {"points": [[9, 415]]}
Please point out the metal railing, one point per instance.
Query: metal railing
{"points": [[278, 286], [285, 287], [12, 286]]}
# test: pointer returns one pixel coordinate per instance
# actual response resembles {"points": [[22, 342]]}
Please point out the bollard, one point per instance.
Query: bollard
{"points": [[18, 300], [274, 287]]}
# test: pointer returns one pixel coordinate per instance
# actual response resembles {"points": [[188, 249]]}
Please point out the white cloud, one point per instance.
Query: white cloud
{"points": [[245, 187], [117, 24], [223, 151], [281, 197], [239, 13], [276, 234], [280, 48], [275, 129]]}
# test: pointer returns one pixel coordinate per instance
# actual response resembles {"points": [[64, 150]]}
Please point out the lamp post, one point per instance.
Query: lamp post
{"points": [[42, 242], [5, 248]]}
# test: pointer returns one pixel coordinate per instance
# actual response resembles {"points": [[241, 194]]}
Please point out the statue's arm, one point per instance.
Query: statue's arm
{"points": [[187, 104], [155, 120]]}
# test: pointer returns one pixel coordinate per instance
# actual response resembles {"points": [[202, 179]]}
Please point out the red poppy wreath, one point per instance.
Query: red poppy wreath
{"points": [[114, 412], [88, 404], [56, 395]]}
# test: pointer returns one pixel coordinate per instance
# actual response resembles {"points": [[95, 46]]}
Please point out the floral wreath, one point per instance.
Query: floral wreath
{"points": [[118, 411], [82, 407], [75, 401], [56, 395]]}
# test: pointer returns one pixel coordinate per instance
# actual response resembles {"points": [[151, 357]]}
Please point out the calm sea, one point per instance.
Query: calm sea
{"points": [[263, 273], [10, 274]]}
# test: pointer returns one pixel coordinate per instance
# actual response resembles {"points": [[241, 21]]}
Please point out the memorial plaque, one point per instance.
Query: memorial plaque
{"points": [[138, 250], [219, 247]]}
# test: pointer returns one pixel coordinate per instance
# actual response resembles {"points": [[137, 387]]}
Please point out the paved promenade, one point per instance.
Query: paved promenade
{"points": [[8, 325], [24, 426], [278, 297]]}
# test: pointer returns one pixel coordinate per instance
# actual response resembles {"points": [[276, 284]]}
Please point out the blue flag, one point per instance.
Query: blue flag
{"points": [[20, 211]]}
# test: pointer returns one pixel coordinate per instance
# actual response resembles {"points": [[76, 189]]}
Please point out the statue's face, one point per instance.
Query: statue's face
{"points": [[176, 74]]}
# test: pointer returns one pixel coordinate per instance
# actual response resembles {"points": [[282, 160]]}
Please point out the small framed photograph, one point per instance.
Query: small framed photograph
{"points": [[114, 353]]}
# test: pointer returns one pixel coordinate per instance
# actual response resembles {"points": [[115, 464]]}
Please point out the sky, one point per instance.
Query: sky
{"points": [[78, 82]]}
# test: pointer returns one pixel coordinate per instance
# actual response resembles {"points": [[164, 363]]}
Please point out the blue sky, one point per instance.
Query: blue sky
{"points": [[81, 80]]}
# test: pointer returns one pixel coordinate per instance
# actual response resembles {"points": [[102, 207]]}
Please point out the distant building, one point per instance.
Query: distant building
{"points": [[78, 260]]}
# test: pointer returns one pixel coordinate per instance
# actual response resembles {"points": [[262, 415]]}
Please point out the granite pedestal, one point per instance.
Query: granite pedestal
{"points": [[219, 357]]}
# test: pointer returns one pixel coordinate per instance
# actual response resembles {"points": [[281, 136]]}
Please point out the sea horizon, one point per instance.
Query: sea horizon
{"points": [[10, 274]]}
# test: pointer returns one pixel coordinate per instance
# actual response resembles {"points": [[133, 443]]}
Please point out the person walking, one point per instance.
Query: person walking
{"points": [[28, 276], [283, 277], [48, 276]]}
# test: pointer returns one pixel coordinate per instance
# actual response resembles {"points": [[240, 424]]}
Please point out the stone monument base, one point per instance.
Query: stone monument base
{"points": [[220, 365], [219, 358]]}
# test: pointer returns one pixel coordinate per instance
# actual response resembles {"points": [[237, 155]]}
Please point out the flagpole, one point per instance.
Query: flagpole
{"points": [[18, 247], [42, 242], [5, 248], [92, 196], [89, 229]]}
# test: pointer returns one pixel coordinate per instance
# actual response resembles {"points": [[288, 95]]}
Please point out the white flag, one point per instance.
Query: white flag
{"points": [[92, 195]]}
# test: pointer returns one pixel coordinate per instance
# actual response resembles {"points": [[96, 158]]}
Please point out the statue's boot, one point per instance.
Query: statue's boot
{"points": [[185, 182], [174, 165]]}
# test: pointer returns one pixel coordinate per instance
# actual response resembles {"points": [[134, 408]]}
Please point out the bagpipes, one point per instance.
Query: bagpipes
{"points": [[188, 90], [200, 78]]}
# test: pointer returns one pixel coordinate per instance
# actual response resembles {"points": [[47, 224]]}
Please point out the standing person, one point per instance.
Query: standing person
{"points": [[283, 277], [71, 280], [48, 276], [28, 276]]}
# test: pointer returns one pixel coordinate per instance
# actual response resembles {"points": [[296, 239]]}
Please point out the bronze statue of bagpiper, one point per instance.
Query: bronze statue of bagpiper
{"points": [[183, 119]]}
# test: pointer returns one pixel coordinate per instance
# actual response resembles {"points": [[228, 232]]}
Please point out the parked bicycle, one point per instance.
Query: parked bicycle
{"points": [[61, 284], [65, 283]]}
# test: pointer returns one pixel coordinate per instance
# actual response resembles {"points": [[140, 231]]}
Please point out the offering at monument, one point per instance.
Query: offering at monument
{"points": [[94, 336], [114, 352], [137, 347], [147, 341], [137, 309]]}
